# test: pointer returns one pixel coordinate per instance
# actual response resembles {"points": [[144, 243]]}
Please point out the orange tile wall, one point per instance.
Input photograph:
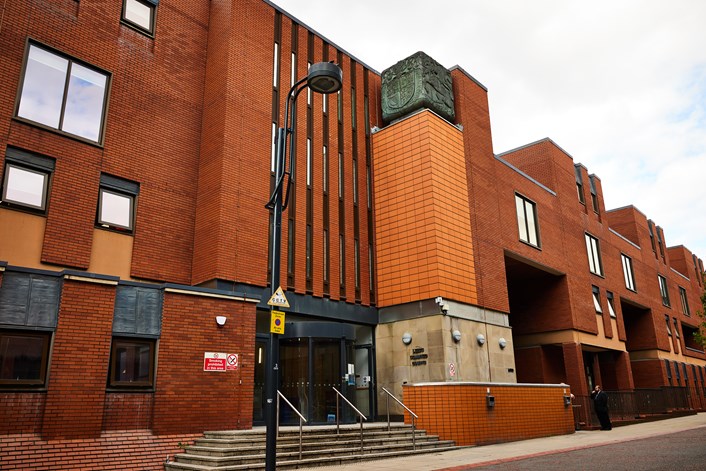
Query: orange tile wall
{"points": [[459, 411], [422, 213]]}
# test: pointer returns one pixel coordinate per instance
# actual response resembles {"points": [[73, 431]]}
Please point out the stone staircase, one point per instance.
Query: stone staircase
{"points": [[321, 446]]}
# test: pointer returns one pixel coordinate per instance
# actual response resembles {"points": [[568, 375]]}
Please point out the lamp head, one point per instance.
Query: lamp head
{"points": [[324, 77]]}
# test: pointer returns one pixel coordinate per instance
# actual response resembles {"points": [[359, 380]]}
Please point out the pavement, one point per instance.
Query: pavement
{"points": [[479, 456]]}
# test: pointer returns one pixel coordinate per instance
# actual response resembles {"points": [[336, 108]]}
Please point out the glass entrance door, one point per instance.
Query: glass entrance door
{"points": [[259, 389]]}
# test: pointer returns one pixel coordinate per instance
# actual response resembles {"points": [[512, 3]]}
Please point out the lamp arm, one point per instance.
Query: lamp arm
{"points": [[290, 123]]}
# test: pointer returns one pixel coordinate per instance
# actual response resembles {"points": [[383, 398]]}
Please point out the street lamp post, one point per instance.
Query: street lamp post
{"points": [[324, 78]]}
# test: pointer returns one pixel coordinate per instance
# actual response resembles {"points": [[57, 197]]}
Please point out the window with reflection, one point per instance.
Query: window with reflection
{"points": [[25, 187], [132, 363], [140, 14], [23, 358], [116, 203], [63, 94]]}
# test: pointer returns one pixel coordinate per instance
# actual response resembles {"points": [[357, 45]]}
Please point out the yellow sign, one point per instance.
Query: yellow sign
{"points": [[277, 322], [278, 299]]}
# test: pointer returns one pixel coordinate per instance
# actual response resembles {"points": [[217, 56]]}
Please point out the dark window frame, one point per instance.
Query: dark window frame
{"points": [[593, 251], [71, 60], [122, 188], [628, 272], [152, 5], [684, 302], [663, 290], [524, 217], [119, 342], [40, 382], [16, 204]]}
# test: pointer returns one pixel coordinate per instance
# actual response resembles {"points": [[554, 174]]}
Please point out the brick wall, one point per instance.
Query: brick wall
{"points": [[137, 450], [188, 399], [459, 412], [79, 362]]}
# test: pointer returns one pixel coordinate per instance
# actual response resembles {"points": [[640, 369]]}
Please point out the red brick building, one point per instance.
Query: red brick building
{"points": [[136, 144]]}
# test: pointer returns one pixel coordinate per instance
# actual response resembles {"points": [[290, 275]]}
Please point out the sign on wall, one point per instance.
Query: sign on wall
{"points": [[217, 361]]}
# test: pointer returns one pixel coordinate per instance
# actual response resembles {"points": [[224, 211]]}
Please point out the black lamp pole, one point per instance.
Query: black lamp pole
{"points": [[325, 78]]}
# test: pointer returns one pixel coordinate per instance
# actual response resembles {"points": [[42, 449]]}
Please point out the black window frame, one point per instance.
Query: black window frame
{"points": [[71, 60], [593, 252], [684, 302], [524, 217], [119, 187], [664, 290], [152, 5], [597, 299], [611, 304], [120, 342], [39, 382], [628, 272], [30, 162]]}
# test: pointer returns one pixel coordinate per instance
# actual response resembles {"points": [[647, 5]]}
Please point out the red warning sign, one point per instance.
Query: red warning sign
{"points": [[214, 361]]}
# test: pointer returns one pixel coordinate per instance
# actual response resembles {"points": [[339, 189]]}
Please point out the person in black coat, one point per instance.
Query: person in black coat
{"points": [[600, 403]]}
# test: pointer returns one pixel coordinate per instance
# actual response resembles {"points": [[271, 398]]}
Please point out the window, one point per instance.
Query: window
{"points": [[627, 272], [676, 370], [26, 179], [666, 320], [689, 339], [140, 14], [659, 242], [594, 255], [611, 304], [676, 327], [663, 290], [579, 184], [275, 67], [594, 193], [309, 243], [325, 255], [116, 203], [23, 358], [650, 228], [684, 301], [527, 220], [597, 300], [63, 94], [340, 175], [131, 363], [668, 367], [309, 162]]}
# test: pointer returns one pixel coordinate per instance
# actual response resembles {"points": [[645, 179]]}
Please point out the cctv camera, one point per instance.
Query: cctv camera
{"points": [[445, 308]]}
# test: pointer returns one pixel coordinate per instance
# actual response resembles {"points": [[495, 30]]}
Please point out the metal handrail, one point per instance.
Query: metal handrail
{"points": [[362, 416], [301, 418], [414, 416]]}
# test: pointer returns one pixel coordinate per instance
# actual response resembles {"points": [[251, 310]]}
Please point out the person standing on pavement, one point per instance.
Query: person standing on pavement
{"points": [[600, 403]]}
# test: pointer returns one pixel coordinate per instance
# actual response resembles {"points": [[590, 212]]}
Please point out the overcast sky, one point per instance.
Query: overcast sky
{"points": [[619, 84]]}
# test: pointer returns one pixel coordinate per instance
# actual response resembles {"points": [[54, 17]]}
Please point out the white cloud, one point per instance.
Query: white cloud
{"points": [[621, 86]]}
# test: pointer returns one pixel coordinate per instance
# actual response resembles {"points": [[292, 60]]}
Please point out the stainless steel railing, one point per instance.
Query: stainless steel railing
{"points": [[302, 420], [338, 415], [412, 414]]}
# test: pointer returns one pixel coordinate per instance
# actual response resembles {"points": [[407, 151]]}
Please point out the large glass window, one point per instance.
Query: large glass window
{"points": [[628, 272], [663, 290], [527, 220], [594, 255], [63, 94], [131, 363], [23, 358], [141, 14]]}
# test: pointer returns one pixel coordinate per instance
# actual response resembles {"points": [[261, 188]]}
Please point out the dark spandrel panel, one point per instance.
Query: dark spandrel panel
{"points": [[14, 298], [44, 301], [138, 311], [29, 300], [125, 310], [149, 311]]}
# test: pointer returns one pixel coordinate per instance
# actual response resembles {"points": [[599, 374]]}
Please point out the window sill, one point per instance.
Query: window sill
{"points": [[59, 132]]}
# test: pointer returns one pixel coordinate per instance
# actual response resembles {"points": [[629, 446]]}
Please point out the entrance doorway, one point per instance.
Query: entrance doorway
{"points": [[315, 357]]}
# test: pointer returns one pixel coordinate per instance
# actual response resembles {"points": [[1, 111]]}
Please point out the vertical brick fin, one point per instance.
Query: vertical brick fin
{"points": [[79, 366], [233, 183], [422, 213]]}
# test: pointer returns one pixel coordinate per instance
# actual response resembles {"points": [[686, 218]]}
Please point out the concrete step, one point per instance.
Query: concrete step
{"points": [[321, 445]]}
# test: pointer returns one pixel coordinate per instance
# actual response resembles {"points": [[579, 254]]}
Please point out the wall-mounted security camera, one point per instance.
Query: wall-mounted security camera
{"points": [[444, 308]]}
